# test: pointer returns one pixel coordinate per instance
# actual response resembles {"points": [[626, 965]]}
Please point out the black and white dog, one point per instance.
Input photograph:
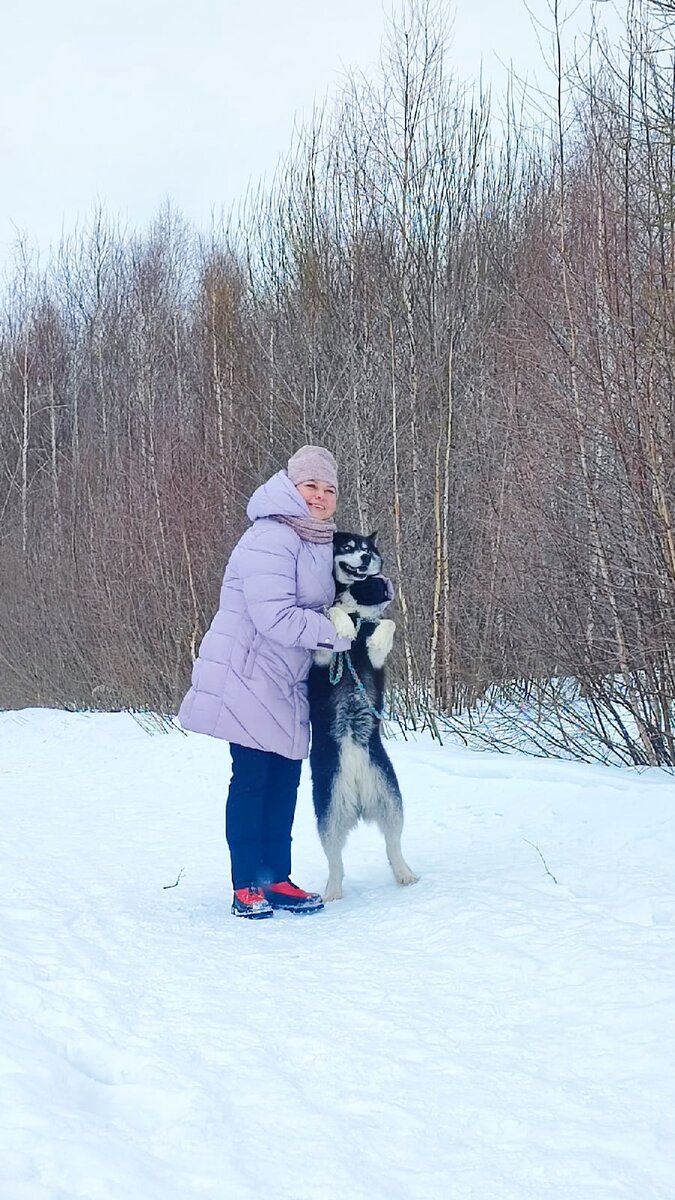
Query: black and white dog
{"points": [[352, 777]]}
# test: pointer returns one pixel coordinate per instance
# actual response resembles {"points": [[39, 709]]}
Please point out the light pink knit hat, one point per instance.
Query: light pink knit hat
{"points": [[312, 462]]}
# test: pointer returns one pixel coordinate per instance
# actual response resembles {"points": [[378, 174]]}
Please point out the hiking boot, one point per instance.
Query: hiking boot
{"points": [[293, 899], [250, 902]]}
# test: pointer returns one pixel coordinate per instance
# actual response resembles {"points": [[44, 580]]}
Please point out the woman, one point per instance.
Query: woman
{"points": [[249, 683]]}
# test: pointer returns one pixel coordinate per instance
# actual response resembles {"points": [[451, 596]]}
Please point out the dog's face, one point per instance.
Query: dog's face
{"points": [[355, 557]]}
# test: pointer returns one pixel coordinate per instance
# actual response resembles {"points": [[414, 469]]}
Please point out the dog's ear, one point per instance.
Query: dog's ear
{"points": [[372, 537]]}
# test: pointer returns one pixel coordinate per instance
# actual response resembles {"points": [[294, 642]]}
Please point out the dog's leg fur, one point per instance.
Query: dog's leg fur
{"points": [[389, 817], [333, 841], [391, 825], [380, 643]]}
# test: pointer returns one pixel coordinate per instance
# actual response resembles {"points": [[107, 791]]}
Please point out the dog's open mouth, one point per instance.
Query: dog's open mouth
{"points": [[357, 572]]}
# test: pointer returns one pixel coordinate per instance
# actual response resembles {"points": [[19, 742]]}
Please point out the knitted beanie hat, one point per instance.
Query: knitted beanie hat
{"points": [[312, 462]]}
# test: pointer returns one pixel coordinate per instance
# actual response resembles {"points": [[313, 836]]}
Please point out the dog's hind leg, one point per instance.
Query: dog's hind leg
{"points": [[333, 840], [391, 824]]}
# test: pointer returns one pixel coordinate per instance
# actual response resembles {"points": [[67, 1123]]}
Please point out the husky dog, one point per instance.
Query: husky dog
{"points": [[352, 777]]}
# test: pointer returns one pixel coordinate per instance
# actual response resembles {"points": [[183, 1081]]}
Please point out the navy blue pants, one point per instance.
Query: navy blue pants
{"points": [[259, 815]]}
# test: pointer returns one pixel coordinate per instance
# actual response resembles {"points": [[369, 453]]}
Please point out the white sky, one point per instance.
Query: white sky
{"points": [[129, 103]]}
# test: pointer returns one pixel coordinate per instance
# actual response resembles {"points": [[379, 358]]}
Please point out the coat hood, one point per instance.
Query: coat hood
{"points": [[277, 498]]}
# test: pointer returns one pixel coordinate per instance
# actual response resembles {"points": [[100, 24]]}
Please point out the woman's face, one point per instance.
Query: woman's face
{"points": [[321, 498]]}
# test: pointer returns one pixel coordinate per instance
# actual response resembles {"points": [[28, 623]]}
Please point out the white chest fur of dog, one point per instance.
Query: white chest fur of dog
{"points": [[358, 790]]}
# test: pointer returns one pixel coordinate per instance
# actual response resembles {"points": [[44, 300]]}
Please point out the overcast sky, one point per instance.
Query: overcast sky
{"points": [[133, 102]]}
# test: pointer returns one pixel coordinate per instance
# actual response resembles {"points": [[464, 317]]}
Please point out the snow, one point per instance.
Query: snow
{"points": [[489, 1033]]}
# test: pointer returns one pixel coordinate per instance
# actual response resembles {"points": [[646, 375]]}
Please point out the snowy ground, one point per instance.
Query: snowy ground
{"points": [[487, 1034]]}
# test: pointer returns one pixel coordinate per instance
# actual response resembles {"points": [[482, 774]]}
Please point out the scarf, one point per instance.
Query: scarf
{"points": [[309, 529]]}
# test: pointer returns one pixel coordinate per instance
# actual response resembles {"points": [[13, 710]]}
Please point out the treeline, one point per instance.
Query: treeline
{"points": [[479, 321]]}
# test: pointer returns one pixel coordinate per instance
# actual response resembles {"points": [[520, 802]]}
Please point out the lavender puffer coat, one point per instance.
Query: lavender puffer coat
{"points": [[249, 682]]}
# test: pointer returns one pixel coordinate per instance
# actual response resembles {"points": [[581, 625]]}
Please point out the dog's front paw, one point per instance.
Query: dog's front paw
{"points": [[342, 622], [380, 642]]}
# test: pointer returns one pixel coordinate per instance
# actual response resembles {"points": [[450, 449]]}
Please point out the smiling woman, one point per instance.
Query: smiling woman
{"points": [[320, 497], [313, 470], [249, 683]]}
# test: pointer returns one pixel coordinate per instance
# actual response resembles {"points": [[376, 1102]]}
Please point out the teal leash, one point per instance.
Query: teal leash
{"points": [[336, 671]]}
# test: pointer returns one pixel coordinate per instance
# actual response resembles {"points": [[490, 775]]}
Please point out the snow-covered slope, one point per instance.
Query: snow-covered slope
{"points": [[492, 1033]]}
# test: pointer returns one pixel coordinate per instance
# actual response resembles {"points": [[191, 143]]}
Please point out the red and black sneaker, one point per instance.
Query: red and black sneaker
{"points": [[294, 899], [250, 902]]}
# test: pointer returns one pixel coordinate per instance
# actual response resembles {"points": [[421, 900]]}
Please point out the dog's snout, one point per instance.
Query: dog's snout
{"points": [[365, 559]]}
